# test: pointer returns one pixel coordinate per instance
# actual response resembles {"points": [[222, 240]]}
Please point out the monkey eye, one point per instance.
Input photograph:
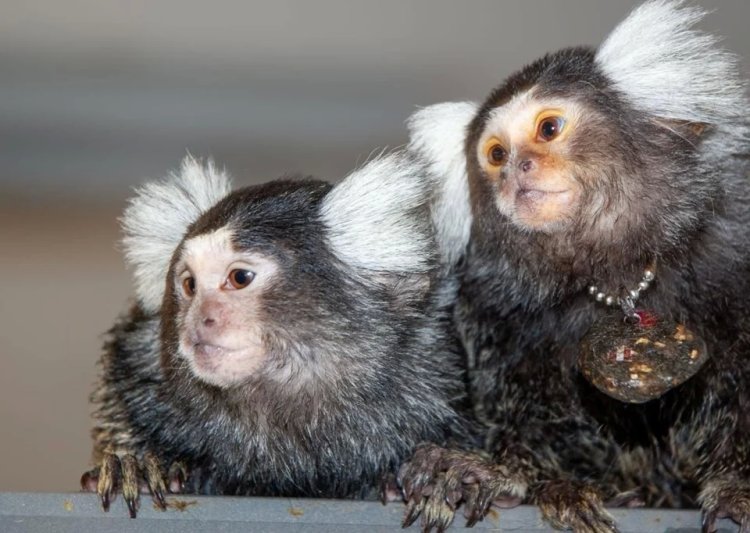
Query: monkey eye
{"points": [[549, 128], [496, 154], [188, 286], [239, 278]]}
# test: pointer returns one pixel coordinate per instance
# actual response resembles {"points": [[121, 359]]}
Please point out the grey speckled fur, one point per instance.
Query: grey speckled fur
{"points": [[365, 347]]}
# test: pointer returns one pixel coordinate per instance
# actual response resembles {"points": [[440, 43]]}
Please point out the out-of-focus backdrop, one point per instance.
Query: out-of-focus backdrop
{"points": [[97, 96]]}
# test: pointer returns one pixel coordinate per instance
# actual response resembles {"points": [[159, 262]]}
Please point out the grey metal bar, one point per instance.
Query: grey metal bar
{"points": [[78, 512]]}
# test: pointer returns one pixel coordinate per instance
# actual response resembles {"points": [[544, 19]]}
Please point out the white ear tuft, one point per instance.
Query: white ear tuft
{"points": [[669, 69], [377, 216], [438, 136], [157, 218]]}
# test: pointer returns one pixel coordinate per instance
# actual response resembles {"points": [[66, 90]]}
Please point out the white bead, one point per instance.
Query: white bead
{"points": [[610, 300], [600, 296], [634, 294], [648, 276], [643, 285], [593, 290]]}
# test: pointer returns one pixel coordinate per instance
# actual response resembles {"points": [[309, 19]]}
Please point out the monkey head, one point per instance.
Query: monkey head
{"points": [[527, 153], [241, 297], [625, 146], [283, 282]]}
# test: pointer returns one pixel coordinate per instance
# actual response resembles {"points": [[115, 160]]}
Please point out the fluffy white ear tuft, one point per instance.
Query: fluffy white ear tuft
{"points": [[377, 216], [438, 136], [669, 69], [156, 219]]}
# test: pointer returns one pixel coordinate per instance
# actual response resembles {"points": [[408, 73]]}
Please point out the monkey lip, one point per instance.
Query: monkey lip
{"points": [[205, 349], [529, 194]]}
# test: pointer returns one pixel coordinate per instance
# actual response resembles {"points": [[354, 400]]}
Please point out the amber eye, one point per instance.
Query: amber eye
{"points": [[188, 286], [549, 128], [239, 279], [496, 155]]}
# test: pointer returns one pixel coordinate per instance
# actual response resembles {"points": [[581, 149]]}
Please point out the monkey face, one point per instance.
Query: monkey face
{"points": [[220, 291], [525, 151]]}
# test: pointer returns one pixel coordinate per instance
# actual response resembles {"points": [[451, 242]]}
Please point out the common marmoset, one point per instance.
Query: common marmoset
{"points": [[288, 339], [600, 179]]}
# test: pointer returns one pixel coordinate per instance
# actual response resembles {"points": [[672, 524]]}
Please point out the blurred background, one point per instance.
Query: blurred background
{"points": [[98, 96]]}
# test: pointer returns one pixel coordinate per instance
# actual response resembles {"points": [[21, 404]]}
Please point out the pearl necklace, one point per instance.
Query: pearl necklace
{"points": [[632, 295]]}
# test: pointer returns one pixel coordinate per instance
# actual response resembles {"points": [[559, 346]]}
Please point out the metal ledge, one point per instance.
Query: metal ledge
{"points": [[79, 512]]}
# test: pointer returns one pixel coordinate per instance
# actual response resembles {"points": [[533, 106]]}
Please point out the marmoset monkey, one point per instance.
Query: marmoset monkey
{"points": [[604, 184], [287, 339]]}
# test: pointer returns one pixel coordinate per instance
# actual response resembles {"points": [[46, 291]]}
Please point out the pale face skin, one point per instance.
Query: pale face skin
{"points": [[220, 314], [524, 152]]}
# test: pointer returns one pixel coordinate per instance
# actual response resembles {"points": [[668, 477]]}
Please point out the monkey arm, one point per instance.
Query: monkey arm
{"points": [[715, 438], [539, 443], [124, 463]]}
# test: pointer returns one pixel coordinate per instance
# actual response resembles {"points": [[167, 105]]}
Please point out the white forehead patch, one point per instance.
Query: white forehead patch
{"points": [[201, 246], [208, 255], [515, 121], [504, 115]]}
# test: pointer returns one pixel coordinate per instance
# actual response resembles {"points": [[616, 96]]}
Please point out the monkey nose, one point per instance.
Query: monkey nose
{"points": [[208, 321], [526, 165]]}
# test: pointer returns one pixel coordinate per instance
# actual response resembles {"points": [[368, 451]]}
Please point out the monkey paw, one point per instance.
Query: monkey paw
{"points": [[725, 499], [437, 481], [131, 477], [573, 505]]}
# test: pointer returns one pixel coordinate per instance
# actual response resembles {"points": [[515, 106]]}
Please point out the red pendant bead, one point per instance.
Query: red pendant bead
{"points": [[646, 319]]}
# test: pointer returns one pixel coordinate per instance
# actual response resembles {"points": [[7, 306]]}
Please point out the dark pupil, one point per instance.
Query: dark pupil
{"points": [[240, 277], [191, 284], [549, 128], [497, 154]]}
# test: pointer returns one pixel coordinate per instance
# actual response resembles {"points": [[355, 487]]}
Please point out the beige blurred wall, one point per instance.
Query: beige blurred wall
{"points": [[97, 96]]}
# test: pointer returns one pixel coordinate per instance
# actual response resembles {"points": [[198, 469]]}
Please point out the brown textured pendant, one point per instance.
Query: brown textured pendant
{"points": [[638, 360]]}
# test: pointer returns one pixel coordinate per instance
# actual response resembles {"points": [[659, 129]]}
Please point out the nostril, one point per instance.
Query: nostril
{"points": [[208, 322], [526, 165]]}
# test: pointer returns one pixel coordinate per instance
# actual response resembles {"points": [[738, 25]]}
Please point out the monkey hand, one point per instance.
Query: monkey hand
{"points": [[438, 480], [573, 505], [127, 474], [725, 499]]}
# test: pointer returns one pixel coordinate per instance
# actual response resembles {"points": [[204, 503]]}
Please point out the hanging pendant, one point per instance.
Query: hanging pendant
{"points": [[639, 357]]}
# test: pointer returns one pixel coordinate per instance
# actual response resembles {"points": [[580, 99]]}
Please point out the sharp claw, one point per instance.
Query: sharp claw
{"points": [[483, 503], [708, 522], [130, 492], [132, 508], [108, 474], [473, 518], [158, 496], [413, 510], [155, 479], [105, 501]]}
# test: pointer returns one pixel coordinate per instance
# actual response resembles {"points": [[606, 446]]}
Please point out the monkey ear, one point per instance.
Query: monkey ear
{"points": [[663, 65], [156, 219], [378, 219], [437, 135], [690, 131]]}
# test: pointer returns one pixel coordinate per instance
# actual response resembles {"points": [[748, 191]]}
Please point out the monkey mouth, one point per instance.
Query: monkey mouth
{"points": [[205, 349], [204, 352], [221, 365], [533, 195]]}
